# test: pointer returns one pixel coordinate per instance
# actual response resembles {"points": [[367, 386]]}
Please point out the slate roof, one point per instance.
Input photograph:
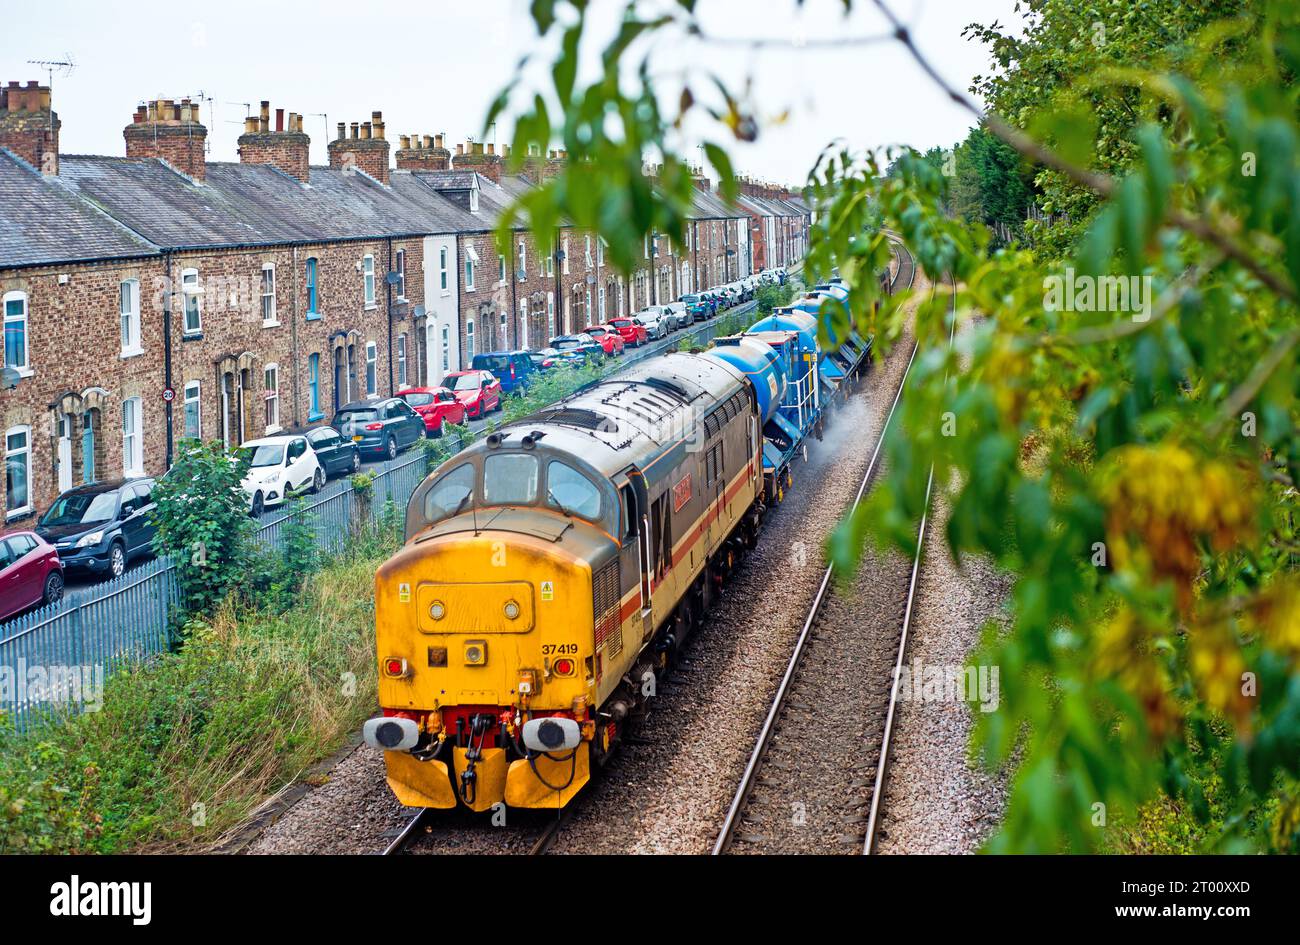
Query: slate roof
{"points": [[41, 222]]}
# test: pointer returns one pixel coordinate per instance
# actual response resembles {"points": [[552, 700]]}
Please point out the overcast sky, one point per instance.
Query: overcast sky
{"points": [[434, 66]]}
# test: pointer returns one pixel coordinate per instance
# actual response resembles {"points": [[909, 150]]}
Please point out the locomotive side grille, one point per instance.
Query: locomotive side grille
{"points": [[609, 632]]}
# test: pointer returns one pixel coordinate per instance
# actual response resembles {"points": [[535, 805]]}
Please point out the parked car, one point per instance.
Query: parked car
{"points": [[478, 391], [546, 359], [277, 467], [336, 455], [678, 316], [102, 526], [698, 306], [583, 344], [610, 340], [437, 405], [654, 322], [380, 427], [30, 572], [630, 330], [514, 369]]}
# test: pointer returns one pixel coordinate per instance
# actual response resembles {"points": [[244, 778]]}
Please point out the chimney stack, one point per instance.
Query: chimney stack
{"points": [[423, 154], [170, 132], [475, 158], [366, 150], [286, 148], [28, 125]]}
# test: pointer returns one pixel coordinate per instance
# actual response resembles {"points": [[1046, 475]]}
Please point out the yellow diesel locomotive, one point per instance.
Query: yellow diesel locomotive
{"points": [[549, 573]]}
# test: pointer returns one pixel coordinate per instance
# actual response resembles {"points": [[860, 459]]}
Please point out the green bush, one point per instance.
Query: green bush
{"points": [[202, 523]]}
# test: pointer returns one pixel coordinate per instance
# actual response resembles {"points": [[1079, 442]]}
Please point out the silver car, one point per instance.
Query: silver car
{"points": [[656, 323]]}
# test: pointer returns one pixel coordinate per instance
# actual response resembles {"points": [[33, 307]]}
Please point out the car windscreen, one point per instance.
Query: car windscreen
{"points": [[82, 509], [418, 400], [466, 382], [567, 344], [268, 454], [493, 363], [351, 421]]}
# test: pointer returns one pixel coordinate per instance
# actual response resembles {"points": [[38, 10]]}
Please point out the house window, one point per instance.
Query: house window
{"points": [[442, 268], [645, 249], [18, 471], [523, 323], [401, 359], [446, 349], [313, 310], [190, 291], [505, 336], [129, 308], [271, 393], [313, 387], [132, 447], [469, 342], [564, 249], [372, 361], [193, 415], [469, 272], [550, 265], [550, 315], [601, 302], [501, 269], [16, 330], [268, 295], [368, 277], [88, 425], [600, 252], [400, 267], [587, 250], [523, 260]]}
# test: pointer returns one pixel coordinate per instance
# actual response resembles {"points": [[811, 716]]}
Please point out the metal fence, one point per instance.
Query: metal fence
{"points": [[57, 658]]}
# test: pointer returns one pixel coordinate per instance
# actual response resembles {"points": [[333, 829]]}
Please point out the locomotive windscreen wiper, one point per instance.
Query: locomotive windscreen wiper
{"points": [[560, 505]]}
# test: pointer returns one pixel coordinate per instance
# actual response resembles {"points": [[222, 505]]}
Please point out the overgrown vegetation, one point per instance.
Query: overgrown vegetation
{"points": [[1150, 671]]}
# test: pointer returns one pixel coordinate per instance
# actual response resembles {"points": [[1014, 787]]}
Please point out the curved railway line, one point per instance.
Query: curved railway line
{"points": [[794, 740]]}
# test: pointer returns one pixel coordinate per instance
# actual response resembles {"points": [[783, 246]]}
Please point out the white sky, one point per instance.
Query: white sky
{"points": [[434, 66]]}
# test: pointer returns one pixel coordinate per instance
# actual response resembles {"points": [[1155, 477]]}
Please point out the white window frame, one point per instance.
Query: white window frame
{"points": [[271, 394], [469, 273], [564, 248], [368, 279], [600, 252], [191, 289], [24, 319], [550, 316], [586, 247], [269, 318], [523, 260], [372, 369], [401, 359], [133, 438], [523, 324], [128, 292], [600, 301], [25, 451], [442, 270], [399, 266], [446, 348], [501, 268], [193, 394], [469, 342]]}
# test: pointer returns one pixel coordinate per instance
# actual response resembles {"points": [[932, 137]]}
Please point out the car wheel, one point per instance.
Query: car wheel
{"points": [[53, 587], [392, 448], [259, 506], [116, 560], [317, 482]]}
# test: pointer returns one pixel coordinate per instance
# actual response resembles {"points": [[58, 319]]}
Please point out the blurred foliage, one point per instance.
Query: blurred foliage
{"points": [[1133, 465]]}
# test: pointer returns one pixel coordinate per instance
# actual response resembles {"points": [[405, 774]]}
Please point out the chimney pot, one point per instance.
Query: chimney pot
{"points": [[437, 141], [405, 142], [365, 131], [460, 150], [356, 130]]}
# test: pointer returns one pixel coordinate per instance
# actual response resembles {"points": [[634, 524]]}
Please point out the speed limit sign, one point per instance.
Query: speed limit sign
{"points": [[168, 395]]}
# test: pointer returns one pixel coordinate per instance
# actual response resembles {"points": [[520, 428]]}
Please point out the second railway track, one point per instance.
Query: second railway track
{"points": [[815, 778]]}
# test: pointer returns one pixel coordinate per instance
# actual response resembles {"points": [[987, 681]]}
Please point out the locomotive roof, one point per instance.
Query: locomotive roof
{"points": [[634, 416]]}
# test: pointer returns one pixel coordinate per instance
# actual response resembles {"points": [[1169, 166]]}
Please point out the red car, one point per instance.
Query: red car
{"points": [[631, 331], [437, 406], [30, 572], [478, 391], [608, 339]]}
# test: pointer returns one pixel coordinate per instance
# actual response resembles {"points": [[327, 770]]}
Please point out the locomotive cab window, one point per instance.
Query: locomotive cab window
{"points": [[569, 490], [510, 479], [448, 493]]}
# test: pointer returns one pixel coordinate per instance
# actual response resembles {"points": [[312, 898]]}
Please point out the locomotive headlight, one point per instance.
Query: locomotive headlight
{"points": [[512, 610], [475, 652], [437, 610]]}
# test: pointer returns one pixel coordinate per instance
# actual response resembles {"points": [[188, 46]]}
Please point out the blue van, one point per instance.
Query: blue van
{"points": [[514, 369]]}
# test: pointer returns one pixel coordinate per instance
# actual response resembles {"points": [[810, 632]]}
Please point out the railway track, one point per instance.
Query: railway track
{"points": [[792, 705], [408, 840]]}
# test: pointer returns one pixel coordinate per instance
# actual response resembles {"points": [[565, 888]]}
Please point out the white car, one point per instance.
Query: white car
{"points": [[279, 466], [680, 317]]}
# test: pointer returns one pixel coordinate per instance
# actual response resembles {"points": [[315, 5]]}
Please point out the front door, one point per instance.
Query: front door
{"points": [[65, 452]]}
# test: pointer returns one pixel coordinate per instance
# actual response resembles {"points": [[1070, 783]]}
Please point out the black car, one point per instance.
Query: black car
{"points": [[337, 456], [101, 527], [380, 427]]}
